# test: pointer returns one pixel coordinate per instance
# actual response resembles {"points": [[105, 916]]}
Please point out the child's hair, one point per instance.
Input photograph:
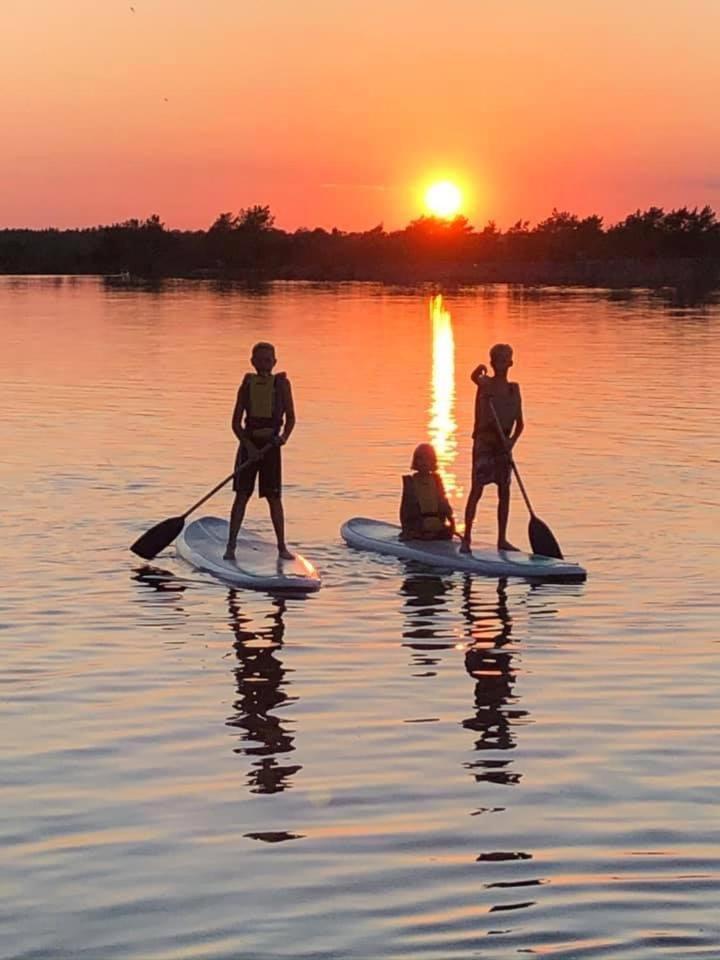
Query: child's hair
{"points": [[262, 345], [500, 349], [424, 449]]}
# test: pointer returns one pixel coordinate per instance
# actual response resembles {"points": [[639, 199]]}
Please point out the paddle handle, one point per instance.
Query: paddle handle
{"points": [[219, 486], [515, 470]]}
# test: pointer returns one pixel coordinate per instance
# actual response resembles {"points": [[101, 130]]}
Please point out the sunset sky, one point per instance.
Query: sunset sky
{"points": [[341, 112]]}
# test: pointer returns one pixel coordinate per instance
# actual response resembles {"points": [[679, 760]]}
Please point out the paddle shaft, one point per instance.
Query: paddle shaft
{"points": [[243, 466], [515, 470], [210, 494]]}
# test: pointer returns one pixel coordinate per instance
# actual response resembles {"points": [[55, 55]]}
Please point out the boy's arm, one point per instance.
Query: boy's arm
{"points": [[237, 417], [446, 511], [519, 425], [237, 423], [405, 506], [479, 375], [410, 519], [445, 508], [289, 423]]}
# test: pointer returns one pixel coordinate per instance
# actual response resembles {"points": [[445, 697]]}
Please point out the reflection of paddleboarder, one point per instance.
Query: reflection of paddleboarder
{"points": [[260, 679], [491, 460], [491, 667], [263, 419], [429, 622]]}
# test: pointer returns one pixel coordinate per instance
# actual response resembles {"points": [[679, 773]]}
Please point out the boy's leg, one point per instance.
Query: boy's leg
{"points": [[237, 515], [503, 513], [470, 509], [277, 515], [243, 485], [271, 489]]}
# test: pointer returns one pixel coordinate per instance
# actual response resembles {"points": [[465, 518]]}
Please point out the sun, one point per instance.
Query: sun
{"points": [[443, 199]]}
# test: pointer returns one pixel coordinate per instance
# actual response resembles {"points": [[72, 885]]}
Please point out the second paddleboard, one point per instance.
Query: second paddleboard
{"points": [[384, 538]]}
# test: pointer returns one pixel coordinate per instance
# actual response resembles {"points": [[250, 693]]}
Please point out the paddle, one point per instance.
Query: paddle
{"points": [[153, 541], [540, 535]]}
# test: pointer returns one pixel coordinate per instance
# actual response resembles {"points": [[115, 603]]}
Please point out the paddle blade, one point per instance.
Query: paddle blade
{"points": [[154, 541], [542, 540]]}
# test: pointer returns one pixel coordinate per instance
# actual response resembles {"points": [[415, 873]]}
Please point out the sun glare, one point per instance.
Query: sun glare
{"points": [[443, 425], [443, 199]]}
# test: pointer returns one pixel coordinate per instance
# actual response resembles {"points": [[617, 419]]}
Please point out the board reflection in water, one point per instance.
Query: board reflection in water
{"points": [[260, 678]]}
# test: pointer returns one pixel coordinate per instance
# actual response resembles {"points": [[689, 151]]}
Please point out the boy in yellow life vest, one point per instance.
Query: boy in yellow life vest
{"points": [[491, 452], [425, 513], [263, 419]]}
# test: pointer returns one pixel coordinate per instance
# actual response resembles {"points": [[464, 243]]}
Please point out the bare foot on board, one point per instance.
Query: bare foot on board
{"points": [[506, 545], [229, 554], [464, 546], [285, 554]]}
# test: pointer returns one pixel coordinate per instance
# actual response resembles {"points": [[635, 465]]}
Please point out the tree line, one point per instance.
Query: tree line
{"points": [[249, 244]]}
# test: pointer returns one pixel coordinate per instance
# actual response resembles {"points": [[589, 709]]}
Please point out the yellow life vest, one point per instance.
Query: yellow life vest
{"points": [[262, 418], [426, 491], [262, 395]]}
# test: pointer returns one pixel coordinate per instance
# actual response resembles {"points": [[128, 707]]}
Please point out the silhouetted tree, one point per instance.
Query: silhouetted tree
{"points": [[247, 244], [255, 219], [564, 236], [225, 223]]}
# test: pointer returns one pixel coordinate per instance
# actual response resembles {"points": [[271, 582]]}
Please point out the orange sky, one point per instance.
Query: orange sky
{"points": [[337, 112]]}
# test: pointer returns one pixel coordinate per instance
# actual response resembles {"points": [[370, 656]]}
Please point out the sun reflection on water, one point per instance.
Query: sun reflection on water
{"points": [[443, 426]]}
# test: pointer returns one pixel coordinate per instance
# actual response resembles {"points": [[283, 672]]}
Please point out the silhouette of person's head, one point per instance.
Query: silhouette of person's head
{"points": [[424, 458], [263, 357], [501, 357]]}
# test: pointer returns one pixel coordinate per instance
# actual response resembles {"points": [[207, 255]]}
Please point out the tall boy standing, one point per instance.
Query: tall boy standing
{"points": [[491, 452], [263, 419]]}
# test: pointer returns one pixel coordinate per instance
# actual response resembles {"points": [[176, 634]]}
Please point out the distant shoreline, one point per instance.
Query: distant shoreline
{"points": [[655, 249], [693, 280], [686, 273]]}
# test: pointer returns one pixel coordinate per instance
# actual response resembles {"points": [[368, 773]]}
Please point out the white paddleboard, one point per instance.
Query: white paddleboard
{"points": [[484, 559], [257, 565]]}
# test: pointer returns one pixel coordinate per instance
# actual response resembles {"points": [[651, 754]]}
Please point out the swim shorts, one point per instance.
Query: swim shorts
{"points": [[491, 467], [268, 469]]}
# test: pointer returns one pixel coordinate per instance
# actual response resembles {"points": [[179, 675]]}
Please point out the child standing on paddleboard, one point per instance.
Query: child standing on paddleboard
{"points": [[491, 451], [263, 419], [425, 513]]}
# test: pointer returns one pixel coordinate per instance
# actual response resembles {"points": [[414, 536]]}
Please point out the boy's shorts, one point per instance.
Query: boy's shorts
{"points": [[268, 468], [490, 467]]}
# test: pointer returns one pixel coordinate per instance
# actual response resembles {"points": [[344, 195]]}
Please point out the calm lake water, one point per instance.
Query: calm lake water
{"points": [[407, 764]]}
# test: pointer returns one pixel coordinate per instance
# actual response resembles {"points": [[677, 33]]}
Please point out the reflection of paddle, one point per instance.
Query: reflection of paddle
{"points": [[540, 535], [151, 543]]}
